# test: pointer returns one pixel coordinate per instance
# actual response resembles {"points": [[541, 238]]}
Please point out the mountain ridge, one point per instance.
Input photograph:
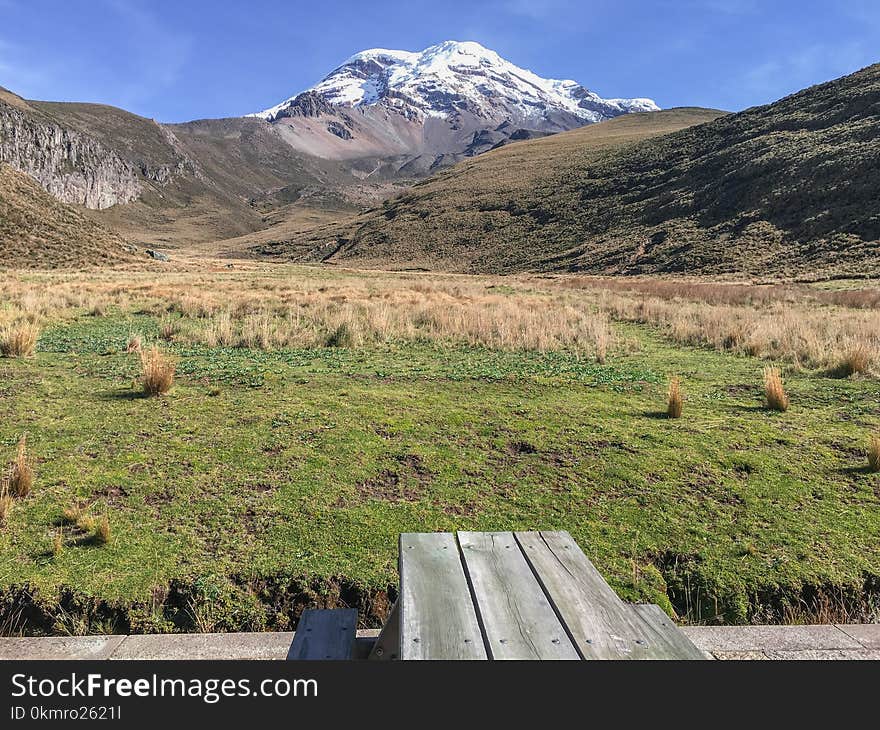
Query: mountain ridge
{"points": [[414, 112], [454, 76]]}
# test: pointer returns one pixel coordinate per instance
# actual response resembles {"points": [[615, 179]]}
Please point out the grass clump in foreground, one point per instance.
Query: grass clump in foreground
{"points": [[674, 399], [21, 473], [158, 371], [6, 502], [19, 340], [775, 397], [291, 484], [874, 453], [101, 532]]}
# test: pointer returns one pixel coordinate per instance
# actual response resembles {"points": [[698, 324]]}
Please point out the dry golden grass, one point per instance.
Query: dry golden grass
{"points": [[19, 339], [804, 334], [674, 400], [72, 515], [102, 534], [874, 453], [856, 361], [6, 501], [135, 344], [295, 307], [775, 397], [158, 371], [21, 473], [167, 330], [738, 294]]}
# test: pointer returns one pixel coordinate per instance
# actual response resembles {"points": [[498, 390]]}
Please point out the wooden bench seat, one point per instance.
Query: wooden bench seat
{"points": [[325, 634], [524, 595]]}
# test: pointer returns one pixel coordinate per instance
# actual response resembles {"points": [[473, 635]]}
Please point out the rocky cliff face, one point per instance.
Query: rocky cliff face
{"points": [[72, 166]]}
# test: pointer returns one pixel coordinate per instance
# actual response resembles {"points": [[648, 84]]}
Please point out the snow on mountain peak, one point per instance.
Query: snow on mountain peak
{"points": [[455, 77]]}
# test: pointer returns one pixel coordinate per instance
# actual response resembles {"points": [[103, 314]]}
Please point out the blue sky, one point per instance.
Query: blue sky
{"points": [[175, 60]]}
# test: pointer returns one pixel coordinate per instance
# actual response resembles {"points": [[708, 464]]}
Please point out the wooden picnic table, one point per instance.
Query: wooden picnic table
{"points": [[506, 595]]}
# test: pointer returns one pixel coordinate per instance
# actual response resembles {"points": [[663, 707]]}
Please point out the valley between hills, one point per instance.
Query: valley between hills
{"points": [[419, 310]]}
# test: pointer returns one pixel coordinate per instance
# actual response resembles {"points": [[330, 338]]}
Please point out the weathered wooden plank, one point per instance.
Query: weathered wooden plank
{"points": [[387, 646], [600, 625], [662, 632], [517, 619], [437, 616], [325, 634]]}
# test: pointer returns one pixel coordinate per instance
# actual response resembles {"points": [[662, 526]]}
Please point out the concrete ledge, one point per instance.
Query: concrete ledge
{"points": [[774, 638], [60, 647], [717, 642], [205, 646], [866, 634]]}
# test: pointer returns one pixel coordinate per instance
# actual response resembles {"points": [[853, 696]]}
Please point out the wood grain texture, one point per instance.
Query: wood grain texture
{"points": [[662, 632], [325, 634], [600, 625], [517, 619], [437, 616]]}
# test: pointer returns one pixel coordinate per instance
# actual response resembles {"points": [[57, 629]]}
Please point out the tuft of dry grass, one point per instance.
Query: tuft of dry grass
{"points": [[6, 502], [342, 336], [856, 360], [19, 339], [674, 399], [102, 533], [874, 453], [135, 344], [21, 474], [167, 330], [158, 371], [72, 515], [776, 398]]}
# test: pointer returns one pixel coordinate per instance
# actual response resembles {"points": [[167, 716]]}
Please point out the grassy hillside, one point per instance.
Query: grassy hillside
{"points": [[791, 188], [449, 220], [38, 231]]}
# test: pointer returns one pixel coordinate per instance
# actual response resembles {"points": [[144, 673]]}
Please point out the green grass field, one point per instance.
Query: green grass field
{"points": [[267, 480]]}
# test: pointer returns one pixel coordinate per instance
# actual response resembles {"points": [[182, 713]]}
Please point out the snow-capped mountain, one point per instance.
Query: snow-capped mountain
{"points": [[454, 77], [399, 113]]}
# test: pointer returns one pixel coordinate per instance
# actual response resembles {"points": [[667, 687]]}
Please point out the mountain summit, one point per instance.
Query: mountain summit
{"points": [[409, 113], [454, 78]]}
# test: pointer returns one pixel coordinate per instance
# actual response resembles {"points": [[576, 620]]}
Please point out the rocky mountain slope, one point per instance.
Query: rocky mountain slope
{"points": [[166, 185], [71, 165], [791, 189], [424, 110], [39, 231]]}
